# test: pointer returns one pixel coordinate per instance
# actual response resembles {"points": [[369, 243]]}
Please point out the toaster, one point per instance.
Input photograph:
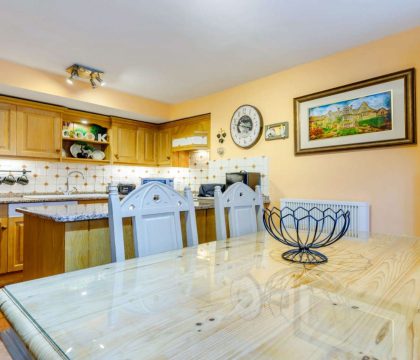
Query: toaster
{"points": [[125, 189]]}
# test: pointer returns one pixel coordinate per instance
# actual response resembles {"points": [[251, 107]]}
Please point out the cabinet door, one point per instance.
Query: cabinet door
{"points": [[126, 141], [3, 245], [164, 147], [7, 129], [149, 146], [180, 159], [15, 245], [38, 133]]}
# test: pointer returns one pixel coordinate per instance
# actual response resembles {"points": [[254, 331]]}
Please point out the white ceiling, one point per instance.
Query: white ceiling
{"points": [[174, 50]]}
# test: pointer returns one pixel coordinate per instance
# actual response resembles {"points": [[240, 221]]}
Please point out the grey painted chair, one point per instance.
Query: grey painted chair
{"points": [[155, 211], [245, 210]]}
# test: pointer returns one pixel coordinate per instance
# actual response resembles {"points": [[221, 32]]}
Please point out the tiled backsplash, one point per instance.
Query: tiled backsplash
{"points": [[50, 177]]}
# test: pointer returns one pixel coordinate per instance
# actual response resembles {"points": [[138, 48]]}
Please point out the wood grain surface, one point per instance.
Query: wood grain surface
{"points": [[227, 300]]}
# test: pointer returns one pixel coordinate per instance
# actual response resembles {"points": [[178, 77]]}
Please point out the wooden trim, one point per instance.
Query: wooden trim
{"points": [[31, 103], [185, 121], [134, 123], [410, 112]]}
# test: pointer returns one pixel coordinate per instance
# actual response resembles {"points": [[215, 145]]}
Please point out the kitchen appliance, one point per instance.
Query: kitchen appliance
{"points": [[252, 179], [166, 181], [207, 190], [125, 189]]}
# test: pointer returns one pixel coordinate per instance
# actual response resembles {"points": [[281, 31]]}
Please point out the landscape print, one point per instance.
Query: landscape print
{"points": [[367, 114]]}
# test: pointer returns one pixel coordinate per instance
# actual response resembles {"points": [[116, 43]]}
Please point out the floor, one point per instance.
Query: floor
{"points": [[4, 355]]}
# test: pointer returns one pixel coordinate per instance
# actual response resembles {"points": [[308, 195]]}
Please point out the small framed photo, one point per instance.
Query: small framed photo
{"points": [[277, 131]]}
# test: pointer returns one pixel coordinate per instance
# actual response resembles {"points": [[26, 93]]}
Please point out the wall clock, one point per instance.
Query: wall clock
{"points": [[246, 126]]}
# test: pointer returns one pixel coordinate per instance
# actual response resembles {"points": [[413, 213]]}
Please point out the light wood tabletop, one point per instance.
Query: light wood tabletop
{"points": [[229, 299]]}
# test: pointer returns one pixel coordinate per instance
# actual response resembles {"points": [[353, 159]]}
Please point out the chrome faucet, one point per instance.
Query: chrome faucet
{"points": [[68, 192]]}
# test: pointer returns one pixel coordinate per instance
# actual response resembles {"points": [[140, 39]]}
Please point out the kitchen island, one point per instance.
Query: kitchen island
{"points": [[60, 239], [228, 300]]}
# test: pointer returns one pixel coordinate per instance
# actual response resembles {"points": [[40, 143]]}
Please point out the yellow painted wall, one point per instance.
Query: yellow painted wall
{"points": [[388, 178], [19, 76]]}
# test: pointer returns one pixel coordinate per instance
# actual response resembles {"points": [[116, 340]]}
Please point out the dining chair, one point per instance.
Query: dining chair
{"points": [[245, 210], [155, 211]]}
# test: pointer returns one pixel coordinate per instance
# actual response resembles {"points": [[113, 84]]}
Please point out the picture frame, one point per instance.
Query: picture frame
{"points": [[276, 131], [370, 113]]}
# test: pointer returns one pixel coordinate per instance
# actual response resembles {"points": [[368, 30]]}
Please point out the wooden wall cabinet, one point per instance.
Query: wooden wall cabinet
{"points": [[39, 133], [15, 244], [7, 129], [164, 145], [133, 143], [126, 144], [148, 146]]}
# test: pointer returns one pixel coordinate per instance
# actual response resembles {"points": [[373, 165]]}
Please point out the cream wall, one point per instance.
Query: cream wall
{"points": [[25, 78], [388, 178]]}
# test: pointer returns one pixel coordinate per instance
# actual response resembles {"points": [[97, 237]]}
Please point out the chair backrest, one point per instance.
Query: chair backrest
{"points": [[155, 211], [245, 210]]}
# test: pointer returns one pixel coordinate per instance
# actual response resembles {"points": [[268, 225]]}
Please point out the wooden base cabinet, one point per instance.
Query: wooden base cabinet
{"points": [[3, 245], [15, 244]]}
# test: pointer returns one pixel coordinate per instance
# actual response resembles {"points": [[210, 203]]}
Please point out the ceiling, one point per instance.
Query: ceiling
{"points": [[174, 50]]}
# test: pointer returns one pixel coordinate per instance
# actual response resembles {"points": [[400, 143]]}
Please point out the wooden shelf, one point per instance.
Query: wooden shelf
{"points": [[72, 159], [86, 141]]}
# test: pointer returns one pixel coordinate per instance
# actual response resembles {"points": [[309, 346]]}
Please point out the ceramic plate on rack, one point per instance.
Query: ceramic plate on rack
{"points": [[98, 155], [75, 149]]}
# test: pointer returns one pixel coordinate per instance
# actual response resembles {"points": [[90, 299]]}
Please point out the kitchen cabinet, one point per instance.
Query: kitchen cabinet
{"points": [[190, 133], [3, 245], [133, 143], [180, 159], [148, 146], [15, 244], [164, 144], [126, 143], [38, 132], [7, 129]]}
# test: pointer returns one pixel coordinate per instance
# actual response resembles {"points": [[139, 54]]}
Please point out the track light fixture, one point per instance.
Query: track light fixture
{"points": [[77, 71]]}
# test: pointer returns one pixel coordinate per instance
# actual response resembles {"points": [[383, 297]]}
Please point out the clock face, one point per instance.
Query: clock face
{"points": [[246, 126]]}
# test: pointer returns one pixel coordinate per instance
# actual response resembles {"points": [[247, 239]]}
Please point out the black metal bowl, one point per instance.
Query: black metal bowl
{"points": [[306, 230]]}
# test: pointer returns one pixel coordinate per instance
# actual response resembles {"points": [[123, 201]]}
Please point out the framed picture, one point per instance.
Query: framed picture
{"points": [[369, 113], [277, 131]]}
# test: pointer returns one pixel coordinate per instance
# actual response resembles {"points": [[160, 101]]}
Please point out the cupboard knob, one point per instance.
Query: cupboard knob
{"points": [[4, 227], [117, 156], [168, 158]]}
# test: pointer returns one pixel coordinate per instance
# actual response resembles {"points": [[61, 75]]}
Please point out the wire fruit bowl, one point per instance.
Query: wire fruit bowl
{"points": [[306, 230]]}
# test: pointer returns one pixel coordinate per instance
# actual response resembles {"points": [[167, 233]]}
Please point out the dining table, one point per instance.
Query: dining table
{"points": [[229, 300]]}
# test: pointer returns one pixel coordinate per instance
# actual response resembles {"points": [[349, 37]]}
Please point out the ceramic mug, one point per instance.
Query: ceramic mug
{"points": [[9, 180], [23, 179]]}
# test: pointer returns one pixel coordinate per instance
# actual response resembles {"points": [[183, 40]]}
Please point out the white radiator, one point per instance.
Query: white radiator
{"points": [[359, 214]]}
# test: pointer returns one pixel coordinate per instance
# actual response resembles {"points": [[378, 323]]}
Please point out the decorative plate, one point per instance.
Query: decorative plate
{"points": [[75, 149], [98, 155]]}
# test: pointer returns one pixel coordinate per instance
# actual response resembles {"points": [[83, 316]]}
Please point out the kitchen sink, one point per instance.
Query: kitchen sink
{"points": [[63, 196]]}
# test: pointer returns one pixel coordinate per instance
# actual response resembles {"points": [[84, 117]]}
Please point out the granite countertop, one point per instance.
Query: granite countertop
{"points": [[31, 198], [72, 213]]}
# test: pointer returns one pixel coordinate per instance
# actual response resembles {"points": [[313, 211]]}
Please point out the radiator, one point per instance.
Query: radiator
{"points": [[359, 214]]}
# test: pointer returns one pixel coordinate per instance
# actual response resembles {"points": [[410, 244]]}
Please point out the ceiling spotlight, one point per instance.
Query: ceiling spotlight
{"points": [[92, 82], [94, 76], [99, 80], [74, 74]]}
